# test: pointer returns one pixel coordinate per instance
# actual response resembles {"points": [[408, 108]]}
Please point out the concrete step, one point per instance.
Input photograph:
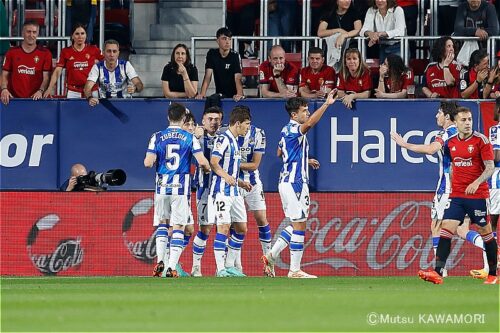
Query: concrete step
{"points": [[190, 15], [191, 4], [181, 31], [169, 44]]}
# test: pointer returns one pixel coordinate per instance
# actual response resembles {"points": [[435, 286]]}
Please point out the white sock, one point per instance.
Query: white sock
{"points": [[282, 242], [296, 249], [166, 255], [161, 240], [486, 266], [176, 247]]}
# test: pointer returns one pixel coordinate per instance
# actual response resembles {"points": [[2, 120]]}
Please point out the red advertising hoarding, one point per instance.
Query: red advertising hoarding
{"points": [[349, 234]]}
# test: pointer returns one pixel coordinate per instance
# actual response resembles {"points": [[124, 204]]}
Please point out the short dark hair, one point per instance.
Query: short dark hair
{"points": [[315, 50], [224, 31], [449, 108], [111, 42], [214, 109], [463, 109], [31, 22], [176, 112], [240, 113], [293, 104], [189, 117]]}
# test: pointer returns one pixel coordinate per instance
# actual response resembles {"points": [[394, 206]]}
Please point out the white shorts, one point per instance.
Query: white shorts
{"points": [[202, 208], [495, 201], [174, 208], [439, 205], [295, 200], [255, 198], [226, 210]]}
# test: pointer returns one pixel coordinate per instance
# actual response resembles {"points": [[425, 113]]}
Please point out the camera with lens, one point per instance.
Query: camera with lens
{"points": [[114, 177]]}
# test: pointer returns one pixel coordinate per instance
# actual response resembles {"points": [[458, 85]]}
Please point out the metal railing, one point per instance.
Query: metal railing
{"points": [[404, 44]]}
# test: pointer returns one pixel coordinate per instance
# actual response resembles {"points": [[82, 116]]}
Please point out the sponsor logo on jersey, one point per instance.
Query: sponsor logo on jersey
{"points": [[462, 162], [80, 65], [22, 69]]}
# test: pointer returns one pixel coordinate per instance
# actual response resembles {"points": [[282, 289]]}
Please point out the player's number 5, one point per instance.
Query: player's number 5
{"points": [[172, 157]]}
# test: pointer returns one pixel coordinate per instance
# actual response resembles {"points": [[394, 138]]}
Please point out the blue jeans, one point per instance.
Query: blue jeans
{"points": [[282, 21], [385, 50]]}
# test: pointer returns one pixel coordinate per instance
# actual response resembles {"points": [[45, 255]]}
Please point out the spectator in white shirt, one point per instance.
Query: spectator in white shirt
{"points": [[384, 21]]}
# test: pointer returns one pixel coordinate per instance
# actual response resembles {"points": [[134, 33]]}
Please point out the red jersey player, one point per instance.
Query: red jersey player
{"points": [[317, 79], [471, 156], [77, 59], [26, 67]]}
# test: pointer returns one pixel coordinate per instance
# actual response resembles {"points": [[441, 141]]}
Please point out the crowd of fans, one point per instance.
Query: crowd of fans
{"points": [[93, 75]]}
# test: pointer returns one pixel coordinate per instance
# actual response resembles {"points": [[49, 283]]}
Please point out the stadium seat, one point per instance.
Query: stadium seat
{"points": [[250, 67], [418, 66], [294, 58]]}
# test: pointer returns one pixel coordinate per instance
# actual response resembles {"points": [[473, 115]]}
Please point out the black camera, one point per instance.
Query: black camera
{"points": [[114, 177]]}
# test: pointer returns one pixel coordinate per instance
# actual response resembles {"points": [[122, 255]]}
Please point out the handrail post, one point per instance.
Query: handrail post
{"points": [[101, 25], [224, 13], [193, 50]]}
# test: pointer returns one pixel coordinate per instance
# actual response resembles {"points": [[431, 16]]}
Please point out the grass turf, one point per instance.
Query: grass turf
{"points": [[246, 304]]}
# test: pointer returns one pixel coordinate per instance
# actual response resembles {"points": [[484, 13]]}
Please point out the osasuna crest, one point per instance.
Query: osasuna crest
{"points": [[470, 149], [36, 59]]}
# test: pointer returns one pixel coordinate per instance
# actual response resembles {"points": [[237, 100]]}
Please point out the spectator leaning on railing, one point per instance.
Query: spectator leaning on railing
{"points": [[473, 81], [26, 68], [354, 78], [278, 77], [317, 79], [476, 18], [384, 21], [180, 76], [442, 76], [117, 78]]}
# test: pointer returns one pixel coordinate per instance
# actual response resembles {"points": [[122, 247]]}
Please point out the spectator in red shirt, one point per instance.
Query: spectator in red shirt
{"points": [[77, 59], [473, 81], [317, 79], [278, 78], [354, 78], [26, 68], [394, 78], [442, 76]]}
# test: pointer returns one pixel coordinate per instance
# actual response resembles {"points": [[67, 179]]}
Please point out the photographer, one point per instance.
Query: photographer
{"points": [[81, 180], [71, 184]]}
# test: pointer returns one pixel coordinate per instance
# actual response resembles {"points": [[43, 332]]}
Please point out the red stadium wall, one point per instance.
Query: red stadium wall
{"points": [[75, 234]]}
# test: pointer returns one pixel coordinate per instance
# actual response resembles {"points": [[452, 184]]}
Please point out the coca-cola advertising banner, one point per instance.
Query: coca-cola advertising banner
{"points": [[84, 234]]}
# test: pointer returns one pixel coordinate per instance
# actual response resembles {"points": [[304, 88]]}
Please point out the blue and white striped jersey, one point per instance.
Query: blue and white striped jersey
{"points": [[294, 153], [254, 142], [174, 149], [444, 182], [226, 147], [202, 179], [494, 181]]}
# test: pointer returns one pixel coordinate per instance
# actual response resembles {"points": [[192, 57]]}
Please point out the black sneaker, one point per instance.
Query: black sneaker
{"points": [[158, 269], [171, 273]]}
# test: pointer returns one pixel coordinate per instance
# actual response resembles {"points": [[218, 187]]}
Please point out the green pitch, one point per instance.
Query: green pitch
{"points": [[247, 304]]}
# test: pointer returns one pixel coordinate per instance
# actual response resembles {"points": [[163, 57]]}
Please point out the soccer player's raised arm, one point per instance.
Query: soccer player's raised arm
{"points": [[428, 149], [316, 116]]}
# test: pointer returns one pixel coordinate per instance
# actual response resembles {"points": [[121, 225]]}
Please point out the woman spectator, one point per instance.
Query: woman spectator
{"points": [[442, 75], [473, 81], [78, 60], [354, 78], [180, 76], [384, 21], [394, 78], [342, 19]]}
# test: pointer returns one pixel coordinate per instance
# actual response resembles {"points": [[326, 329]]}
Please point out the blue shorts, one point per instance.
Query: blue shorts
{"points": [[477, 209]]}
